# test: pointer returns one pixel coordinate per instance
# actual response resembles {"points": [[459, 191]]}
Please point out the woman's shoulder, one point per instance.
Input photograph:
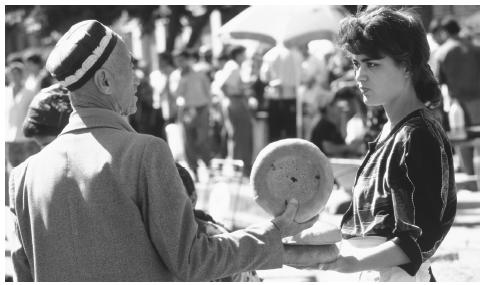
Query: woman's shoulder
{"points": [[423, 125]]}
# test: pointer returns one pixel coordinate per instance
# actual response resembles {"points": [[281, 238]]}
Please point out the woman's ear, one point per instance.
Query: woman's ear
{"points": [[103, 81], [407, 73], [406, 70]]}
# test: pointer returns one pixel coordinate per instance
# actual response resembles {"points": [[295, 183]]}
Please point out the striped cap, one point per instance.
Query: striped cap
{"points": [[80, 52]]}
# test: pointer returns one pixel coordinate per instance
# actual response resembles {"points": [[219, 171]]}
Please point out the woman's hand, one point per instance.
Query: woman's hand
{"points": [[342, 264], [353, 260]]}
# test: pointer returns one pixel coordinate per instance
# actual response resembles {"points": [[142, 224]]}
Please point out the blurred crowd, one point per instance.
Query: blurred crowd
{"points": [[208, 106], [212, 104]]}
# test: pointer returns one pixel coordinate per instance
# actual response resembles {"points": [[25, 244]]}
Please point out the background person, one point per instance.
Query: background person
{"points": [[238, 122], [37, 75], [458, 68], [17, 100], [282, 71], [48, 114], [193, 100], [327, 132], [149, 117]]}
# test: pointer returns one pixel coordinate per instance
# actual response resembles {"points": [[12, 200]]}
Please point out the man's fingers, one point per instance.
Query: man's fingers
{"points": [[291, 209], [304, 267], [308, 224], [327, 266]]}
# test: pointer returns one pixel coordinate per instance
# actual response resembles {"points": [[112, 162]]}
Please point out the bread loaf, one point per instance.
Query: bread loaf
{"points": [[309, 255], [292, 168], [320, 233]]}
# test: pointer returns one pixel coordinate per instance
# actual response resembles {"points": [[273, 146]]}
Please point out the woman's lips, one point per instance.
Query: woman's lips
{"points": [[364, 90]]}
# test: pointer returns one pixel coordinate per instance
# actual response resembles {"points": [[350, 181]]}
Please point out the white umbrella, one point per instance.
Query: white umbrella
{"points": [[288, 24]]}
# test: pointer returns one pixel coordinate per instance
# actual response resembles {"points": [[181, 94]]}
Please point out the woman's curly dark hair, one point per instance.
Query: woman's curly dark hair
{"points": [[399, 34]]}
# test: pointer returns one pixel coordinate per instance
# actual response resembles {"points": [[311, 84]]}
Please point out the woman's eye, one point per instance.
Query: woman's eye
{"points": [[371, 64], [356, 65]]}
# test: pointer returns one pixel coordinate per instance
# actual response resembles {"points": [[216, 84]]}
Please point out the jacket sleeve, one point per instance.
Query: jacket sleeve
{"points": [[423, 196], [20, 262], [171, 225]]}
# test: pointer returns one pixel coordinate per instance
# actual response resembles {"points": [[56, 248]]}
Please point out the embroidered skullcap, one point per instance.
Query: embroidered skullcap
{"points": [[80, 53], [48, 112]]}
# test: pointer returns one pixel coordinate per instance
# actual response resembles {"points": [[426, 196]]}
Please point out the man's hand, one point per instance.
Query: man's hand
{"points": [[286, 223]]}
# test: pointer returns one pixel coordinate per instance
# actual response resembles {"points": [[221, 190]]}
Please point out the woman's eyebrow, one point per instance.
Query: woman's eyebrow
{"points": [[369, 59], [366, 58]]}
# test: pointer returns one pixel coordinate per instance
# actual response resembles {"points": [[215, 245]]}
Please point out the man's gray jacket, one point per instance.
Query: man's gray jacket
{"points": [[104, 203]]}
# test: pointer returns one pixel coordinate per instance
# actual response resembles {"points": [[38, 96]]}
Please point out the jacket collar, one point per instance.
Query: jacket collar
{"points": [[88, 118]]}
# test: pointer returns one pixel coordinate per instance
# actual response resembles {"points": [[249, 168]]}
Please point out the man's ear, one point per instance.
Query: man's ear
{"points": [[104, 81]]}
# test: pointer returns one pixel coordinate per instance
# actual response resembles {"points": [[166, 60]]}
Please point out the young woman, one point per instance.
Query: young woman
{"points": [[404, 198]]}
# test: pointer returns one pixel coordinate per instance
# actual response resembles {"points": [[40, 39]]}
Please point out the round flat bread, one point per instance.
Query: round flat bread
{"points": [[320, 233], [292, 168], [309, 255]]}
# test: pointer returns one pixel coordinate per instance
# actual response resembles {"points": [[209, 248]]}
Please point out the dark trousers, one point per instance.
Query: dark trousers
{"points": [[242, 136], [196, 128], [281, 119]]}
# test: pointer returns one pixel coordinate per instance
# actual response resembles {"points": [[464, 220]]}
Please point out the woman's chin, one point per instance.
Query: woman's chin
{"points": [[367, 101]]}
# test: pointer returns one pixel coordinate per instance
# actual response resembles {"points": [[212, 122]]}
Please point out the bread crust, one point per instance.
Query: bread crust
{"points": [[292, 168]]}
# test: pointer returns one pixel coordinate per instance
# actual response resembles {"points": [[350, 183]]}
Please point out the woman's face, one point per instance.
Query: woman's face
{"points": [[380, 81]]}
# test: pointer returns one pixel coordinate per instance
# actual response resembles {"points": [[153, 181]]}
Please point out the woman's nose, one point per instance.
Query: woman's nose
{"points": [[360, 75]]}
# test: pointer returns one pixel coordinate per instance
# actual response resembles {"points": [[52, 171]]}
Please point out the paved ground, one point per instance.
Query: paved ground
{"points": [[457, 259]]}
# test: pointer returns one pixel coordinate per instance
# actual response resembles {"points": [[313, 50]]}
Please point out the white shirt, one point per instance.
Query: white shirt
{"points": [[355, 129], [230, 79], [281, 63], [16, 108], [32, 82]]}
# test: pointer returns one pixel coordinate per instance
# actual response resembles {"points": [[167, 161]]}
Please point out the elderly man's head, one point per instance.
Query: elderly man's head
{"points": [[95, 64]]}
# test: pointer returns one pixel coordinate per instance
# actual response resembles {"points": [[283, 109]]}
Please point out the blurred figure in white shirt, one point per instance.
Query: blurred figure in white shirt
{"points": [[236, 107], [17, 100], [282, 70]]}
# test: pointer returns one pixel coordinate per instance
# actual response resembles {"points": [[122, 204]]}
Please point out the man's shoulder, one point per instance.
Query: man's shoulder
{"points": [[18, 174], [123, 141], [151, 142], [17, 170]]}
